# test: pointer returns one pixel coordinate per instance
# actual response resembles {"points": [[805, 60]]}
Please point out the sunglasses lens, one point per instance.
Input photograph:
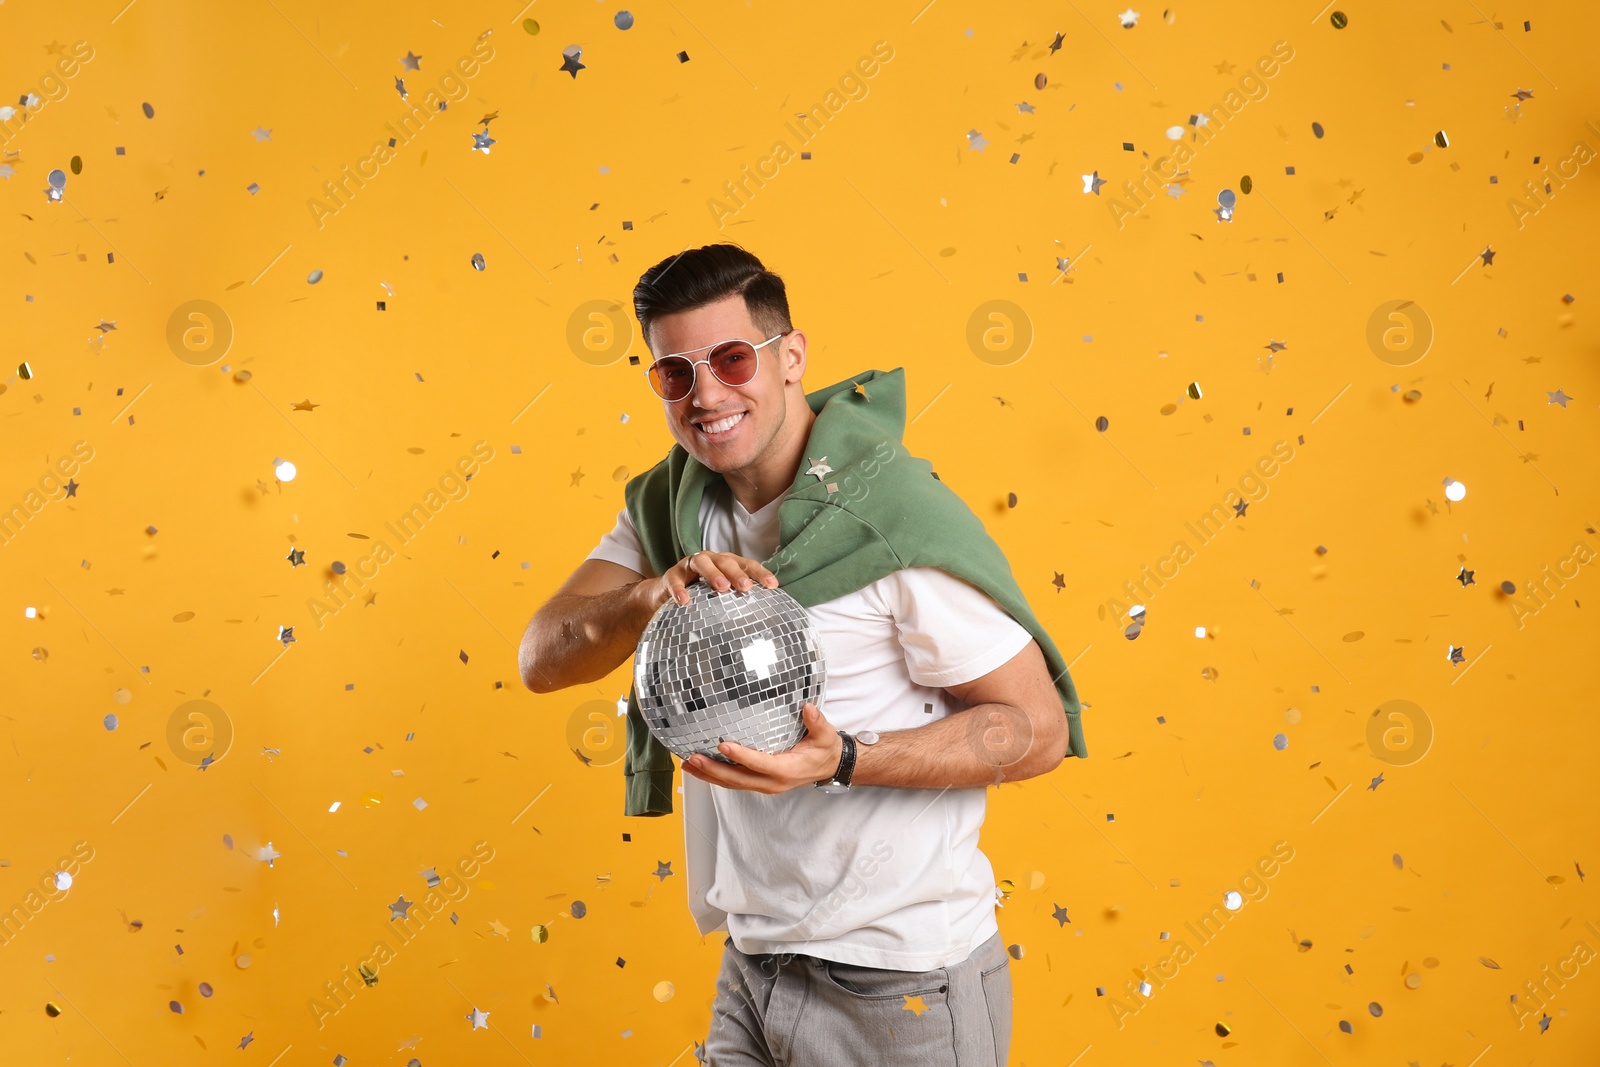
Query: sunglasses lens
{"points": [[672, 377], [734, 362]]}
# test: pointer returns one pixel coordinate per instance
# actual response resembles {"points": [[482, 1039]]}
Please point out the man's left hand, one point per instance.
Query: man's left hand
{"points": [[814, 758]]}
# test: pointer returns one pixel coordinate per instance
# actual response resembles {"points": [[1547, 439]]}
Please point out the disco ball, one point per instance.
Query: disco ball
{"points": [[730, 666]]}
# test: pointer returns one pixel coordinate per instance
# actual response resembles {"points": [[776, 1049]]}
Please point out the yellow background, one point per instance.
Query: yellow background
{"points": [[164, 578]]}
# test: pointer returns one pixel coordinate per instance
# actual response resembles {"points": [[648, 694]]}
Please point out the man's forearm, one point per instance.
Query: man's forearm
{"points": [[578, 639], [986, 744]]}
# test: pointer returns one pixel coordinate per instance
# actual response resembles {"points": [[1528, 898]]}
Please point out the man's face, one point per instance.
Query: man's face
{"points": [[762, 400]]}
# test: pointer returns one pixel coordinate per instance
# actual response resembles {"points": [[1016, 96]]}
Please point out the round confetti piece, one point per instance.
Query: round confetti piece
{"points": [[111, 722], [1233, 901], [624, 20], [1340, 20], [1223, 1030], [1039, 81], [76, 165], [205, 989], [1415, 157], [1430, 962], [243, 961], [1345, 1026], [1017, 951], [1508, 588], [1375, 1009], [1174, 133], [314, 277], [620, 474], [149, 112], [1441, 140], [579, 909], [1411, 396], [1035, 879], [1280, 741], [58, 179], [1245, 185], [177, 1009], [1413, 980], [41, 654], [51, 1009], [1011, 500], [531, 26], [663, 991], [478, 262], [63, 880], [1291, 715], [541, 933], [1227, 199], [1316, 128], [1102, 424]]}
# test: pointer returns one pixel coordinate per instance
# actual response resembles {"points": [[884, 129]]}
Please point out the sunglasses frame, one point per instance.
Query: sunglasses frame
{"points": [[694, 364]]}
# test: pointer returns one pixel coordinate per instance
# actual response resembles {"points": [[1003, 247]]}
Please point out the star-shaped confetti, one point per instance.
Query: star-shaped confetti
{"points": [[106, 327], [247, 1038], [1129, 19], [1487, 255], [1465, 577], [819, 467], [500, 929], [286, 634], [1523, 94], [400, 87], [914, 1005], [480, 1019], [1060, 916], [1239, 508], [72, 488], [410, 61], [1059, 581], [1274, 346], [1092, 183], [1458, 654], [55, 48], [407, 1043], [1376, 782], [571, 57], [1025, 108], [1055, 45], [481, 142], [663, 869], [304, 405], [268, 854], [975, 140], [296, 557], [1558, 397], [6, 171], [261, 133], [398, 909], [1224, 67]]}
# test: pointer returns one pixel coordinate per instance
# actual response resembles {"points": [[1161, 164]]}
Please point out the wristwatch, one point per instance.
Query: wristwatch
{"points": [[840, 782]]}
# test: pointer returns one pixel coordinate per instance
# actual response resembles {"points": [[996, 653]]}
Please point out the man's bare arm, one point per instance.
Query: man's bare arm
{"points": [[576, 639]]}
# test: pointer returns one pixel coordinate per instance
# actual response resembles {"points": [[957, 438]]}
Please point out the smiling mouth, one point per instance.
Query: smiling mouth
{"points": [[720, 428]]}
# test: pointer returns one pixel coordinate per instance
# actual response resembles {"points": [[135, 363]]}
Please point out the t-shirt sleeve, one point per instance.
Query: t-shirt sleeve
{"points": [[622, 546], [951, 630]]}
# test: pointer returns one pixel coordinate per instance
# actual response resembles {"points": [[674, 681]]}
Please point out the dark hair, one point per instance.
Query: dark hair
{"points": [[700, 276]]}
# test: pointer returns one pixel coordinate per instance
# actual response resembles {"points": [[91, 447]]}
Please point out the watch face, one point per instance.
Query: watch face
{"points": [[833, 787], [867, 737]]}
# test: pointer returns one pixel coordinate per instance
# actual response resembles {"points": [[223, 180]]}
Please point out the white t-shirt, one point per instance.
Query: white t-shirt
{"points": [[880, 876]]}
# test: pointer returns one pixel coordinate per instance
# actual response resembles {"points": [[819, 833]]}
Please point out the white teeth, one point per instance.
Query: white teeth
{"points": [[725, 424]]}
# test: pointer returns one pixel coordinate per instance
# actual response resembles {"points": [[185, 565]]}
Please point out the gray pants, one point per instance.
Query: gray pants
{"points": [[793, 1010]]}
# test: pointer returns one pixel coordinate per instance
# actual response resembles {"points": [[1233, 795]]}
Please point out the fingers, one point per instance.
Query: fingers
{"points": [[724, 571]]}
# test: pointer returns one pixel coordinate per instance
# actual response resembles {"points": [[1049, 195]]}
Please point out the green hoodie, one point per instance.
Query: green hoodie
{"points": [[874, 510]]}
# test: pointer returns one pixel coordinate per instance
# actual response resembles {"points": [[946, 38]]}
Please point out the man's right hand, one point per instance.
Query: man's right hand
{"points": [[721, 570]]}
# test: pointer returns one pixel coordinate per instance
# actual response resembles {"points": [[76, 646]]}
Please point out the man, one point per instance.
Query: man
{"points": [[860, 915]]}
